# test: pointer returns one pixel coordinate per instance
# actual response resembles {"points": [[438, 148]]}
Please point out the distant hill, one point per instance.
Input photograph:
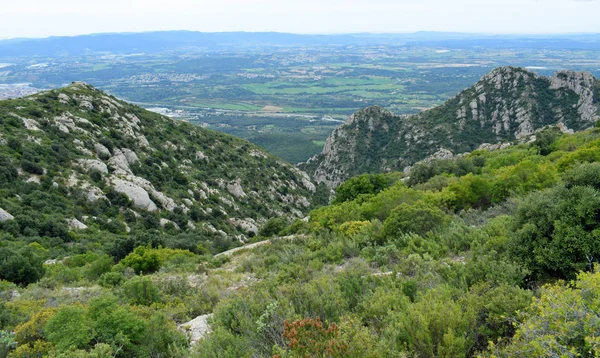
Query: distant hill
{"points": [[76, 160], [507, 104], [153, 42]]}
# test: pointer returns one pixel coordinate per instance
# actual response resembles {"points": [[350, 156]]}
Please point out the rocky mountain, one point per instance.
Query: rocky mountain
{"points": [[508, 104], [79, 160]]}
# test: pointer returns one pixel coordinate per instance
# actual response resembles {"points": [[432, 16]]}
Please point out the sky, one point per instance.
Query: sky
{"points": [[42, 18]]}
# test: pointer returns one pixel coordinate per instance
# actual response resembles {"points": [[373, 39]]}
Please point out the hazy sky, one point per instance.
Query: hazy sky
{"points": [[40, 18]]}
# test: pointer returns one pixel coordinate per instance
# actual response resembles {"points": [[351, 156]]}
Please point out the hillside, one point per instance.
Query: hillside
{"points": [[506, 105], [466, 259], [79, 165]]}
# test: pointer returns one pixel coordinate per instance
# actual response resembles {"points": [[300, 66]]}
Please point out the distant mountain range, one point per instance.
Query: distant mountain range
{"points": [[508, 104], [151, 42]]}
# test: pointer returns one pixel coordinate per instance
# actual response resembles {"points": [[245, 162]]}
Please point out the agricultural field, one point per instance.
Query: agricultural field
{"points": [[288, 99]]}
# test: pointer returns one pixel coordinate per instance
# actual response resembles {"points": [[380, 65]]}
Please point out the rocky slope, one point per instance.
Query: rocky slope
{"points": [[506, 105], [84, 160]]}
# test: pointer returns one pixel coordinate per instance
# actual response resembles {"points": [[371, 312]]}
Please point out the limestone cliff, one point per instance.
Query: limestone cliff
{"points": [[508, 104]]}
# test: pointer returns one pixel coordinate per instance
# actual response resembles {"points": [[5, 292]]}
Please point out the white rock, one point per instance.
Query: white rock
{"points": [[200, 156], [35, 179], [4, 215], [235, 188], [164, 222], [197, 328], [93, 164], [135, 193], [75, 224], [247, 224], [63, 98], [119, 163], [101, 150], [130, 155], [95, 194]]}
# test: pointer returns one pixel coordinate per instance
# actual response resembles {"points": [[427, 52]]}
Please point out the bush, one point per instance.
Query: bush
{"points": [[361, 185], [273, 227], [21, 267], [557, 232], [583, 175], [111, 279], [419, 218], [141, 291], [69, 328]]}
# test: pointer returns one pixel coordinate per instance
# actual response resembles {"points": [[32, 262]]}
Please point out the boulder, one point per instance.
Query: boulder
{"points": [[130, 155], [101, 150], [75, 224], [93, 164], [135, 193], [235, 189], [197, 328], [4, 215]]}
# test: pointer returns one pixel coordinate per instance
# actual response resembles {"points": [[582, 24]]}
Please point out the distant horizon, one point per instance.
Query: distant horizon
{"points": [[41, 18], [484, 34]]}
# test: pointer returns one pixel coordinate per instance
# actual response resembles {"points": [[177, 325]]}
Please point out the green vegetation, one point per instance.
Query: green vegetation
{"points": [[505, 106], [465, 258]]}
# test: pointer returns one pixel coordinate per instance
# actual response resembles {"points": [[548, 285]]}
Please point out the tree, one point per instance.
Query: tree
{"points": [[557, 232], [69, 328], [545, 140], [273, 227], [418, 218], [562, 322], [360, 185], [142, 260], [21, 267]]}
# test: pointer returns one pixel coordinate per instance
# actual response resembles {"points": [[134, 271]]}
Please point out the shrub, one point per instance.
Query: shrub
{"points": [[21, 267], [418, 218], [273, 227], [310, 338], [556, 231], [69, 328], [141, 291], [111, 279], [361, 185]]}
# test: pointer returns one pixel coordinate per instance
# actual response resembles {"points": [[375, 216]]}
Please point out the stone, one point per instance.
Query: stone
{"points": [[75, 224], [235, 189], [197, 328], [5, 216], [93, 164], [130, 155], [101, 150], [164, 222], [247, 225], [135, 193]]}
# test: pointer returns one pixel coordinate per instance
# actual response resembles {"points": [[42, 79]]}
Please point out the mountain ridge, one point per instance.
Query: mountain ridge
{"points": [[507, 104], [116, 167]]}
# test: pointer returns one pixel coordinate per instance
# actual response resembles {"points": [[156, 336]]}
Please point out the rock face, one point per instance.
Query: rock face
{"points": [[4, 215], [508, 104]]}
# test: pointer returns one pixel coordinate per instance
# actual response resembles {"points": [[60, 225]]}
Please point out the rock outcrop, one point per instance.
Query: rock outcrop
{"points": [[4, 215], [196, 328], [508, 104]]}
